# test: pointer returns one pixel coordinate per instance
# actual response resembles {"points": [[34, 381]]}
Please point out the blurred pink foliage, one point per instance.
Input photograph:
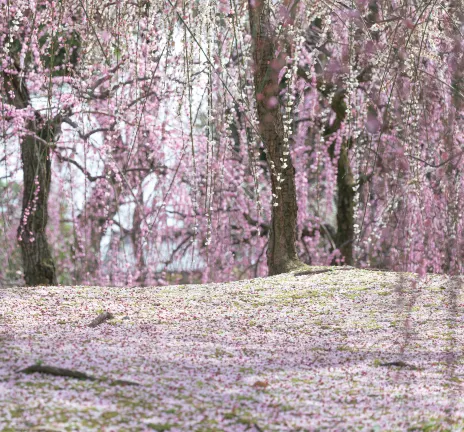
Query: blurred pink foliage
{"points": [[158, 173]]}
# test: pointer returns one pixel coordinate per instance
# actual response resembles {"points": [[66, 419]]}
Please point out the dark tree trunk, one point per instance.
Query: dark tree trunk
{"points": [[137, 237], [281, 254], [345, 207], [39, 267], [38, 264], [453, 259], [345, 194]]}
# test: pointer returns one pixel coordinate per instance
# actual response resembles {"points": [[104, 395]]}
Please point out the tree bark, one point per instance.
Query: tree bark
{"points": [[452, 258], [345, 206], [137, 238], [282, 253], [38, 263], [345, 194]]}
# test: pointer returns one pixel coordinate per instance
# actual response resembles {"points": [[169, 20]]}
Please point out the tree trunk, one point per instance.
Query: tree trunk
{"points": [[38, 264], [39, 267], [452, 257], [345, 194], [281, 254], [345, 206], [137, 239]]}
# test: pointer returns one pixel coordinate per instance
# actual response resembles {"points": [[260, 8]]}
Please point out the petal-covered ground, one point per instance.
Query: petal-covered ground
{"points": [[341, 350]]}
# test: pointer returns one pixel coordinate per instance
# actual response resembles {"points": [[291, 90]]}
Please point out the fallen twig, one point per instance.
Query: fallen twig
{"points": [[313, 272], [56, 371], [400, 363], [101, 319], [124, 382]]}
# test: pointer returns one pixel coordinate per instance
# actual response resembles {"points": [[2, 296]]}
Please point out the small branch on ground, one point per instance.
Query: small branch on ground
{"points": [[373, 269], [313, 272], [69, 373], [124, 383], [56, 371], [400, 363], [101, 319]]}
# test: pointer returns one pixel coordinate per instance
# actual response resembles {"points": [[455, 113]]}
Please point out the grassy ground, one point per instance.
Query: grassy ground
{"points": [[340, 350]]}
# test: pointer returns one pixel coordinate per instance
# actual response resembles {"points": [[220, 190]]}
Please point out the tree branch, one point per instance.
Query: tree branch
{"points": [[89, 176], [86, 136], [436, 165]]}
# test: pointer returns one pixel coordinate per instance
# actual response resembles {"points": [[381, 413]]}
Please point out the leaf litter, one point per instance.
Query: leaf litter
{"points": [[333, 350]]}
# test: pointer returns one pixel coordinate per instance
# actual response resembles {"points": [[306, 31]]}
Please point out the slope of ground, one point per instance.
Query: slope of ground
{"points": [[338, 350]]}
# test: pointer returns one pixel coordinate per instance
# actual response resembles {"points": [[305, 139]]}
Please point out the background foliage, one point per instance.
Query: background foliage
{"points": [[158, 169]]}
